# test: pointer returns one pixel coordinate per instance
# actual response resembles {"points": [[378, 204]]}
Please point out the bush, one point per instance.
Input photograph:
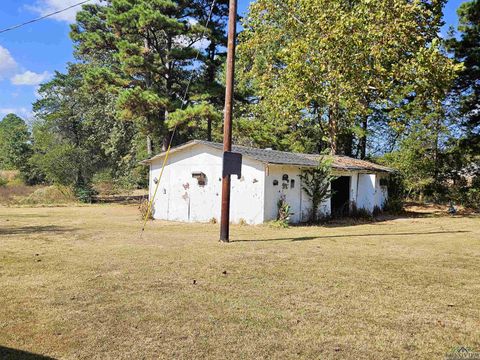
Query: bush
{"points": [[103, 183], [50, 195], [360, 213], [3, 182], [284, 212], [471, 199], [85, 193], [393, 206], [143, 208], [377, 211]]}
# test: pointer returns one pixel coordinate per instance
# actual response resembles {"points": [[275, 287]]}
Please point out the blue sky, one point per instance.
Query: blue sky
{"points": [[29, 55]]}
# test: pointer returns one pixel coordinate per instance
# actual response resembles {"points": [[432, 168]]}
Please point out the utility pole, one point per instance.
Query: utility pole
{"points": [[227, 130]]}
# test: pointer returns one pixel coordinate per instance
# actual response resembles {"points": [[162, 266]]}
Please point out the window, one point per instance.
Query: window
{"points": [[275, 182], [201, 178], [292, 184]]}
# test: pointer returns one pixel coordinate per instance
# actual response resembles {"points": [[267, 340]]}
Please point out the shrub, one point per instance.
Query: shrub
{"points": [[85, 193], [377, 211], [360, 213], [316, 184], [393, 206], [50, 195], [284, 212], [103, 183], [471, 199], [144, 210], [3, 182]]}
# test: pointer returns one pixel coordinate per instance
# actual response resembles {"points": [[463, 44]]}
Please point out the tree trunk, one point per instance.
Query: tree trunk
{"points": [[149, 146], [167, 139], [363, 139], [437, 153], [333, 130], [209, 129]]}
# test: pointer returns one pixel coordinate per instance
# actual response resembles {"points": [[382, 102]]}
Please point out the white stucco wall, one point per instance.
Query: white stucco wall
{"points": [[295, 197], [366, 191], [254, 198], [381, 192], [181, 198]]}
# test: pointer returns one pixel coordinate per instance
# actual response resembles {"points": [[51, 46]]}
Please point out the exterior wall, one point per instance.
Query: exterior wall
{"points": [[295, 197], [181, 198], [381, 193], [370, 192], [254, 197], [366, 191]]}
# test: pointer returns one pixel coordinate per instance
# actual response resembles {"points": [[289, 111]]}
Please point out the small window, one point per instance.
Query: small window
{"points": [[275, 182], [201, 178], [292, 184], [285, 177]]}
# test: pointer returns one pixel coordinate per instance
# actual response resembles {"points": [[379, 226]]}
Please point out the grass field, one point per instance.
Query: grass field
{"points": [[81, 283]]}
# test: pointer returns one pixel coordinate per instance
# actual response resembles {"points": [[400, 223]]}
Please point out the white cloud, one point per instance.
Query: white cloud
{"points": [[44, 7], [30, 78], [7, 63]]}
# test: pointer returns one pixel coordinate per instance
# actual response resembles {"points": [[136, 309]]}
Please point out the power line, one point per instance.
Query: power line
{"points": [[43, 17]]}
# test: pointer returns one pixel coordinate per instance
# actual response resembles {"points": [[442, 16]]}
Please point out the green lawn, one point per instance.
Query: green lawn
{"points": [[81, 282]]}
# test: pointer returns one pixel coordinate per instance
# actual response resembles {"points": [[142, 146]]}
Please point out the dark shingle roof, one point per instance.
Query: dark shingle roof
{"points": [[289, 158]]}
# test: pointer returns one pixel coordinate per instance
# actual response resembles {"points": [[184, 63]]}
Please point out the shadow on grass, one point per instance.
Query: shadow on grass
{"points": [[25, 230], [23, 216], [308, 238], [14, 354], [351, 222]]}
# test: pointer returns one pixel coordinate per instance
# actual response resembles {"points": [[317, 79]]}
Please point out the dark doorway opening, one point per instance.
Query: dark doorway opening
{"points": [[341, 196]]}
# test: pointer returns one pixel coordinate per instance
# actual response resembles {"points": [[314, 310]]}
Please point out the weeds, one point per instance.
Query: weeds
{"points": [[144, 210]]}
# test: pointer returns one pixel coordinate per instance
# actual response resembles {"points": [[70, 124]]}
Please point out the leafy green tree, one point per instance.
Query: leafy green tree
{"points": [[316, 184], [321, 68], [77, 134], [15, 146], [466, 49]]}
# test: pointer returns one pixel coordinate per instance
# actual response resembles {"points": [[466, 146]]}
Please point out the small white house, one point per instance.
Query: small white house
{"points": [[190, 188]]}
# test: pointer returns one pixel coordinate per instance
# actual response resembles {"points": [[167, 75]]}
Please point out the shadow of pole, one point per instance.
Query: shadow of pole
{"points": [[309, 238]]}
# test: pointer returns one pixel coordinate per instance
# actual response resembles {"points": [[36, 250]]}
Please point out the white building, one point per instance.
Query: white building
{"points": [[190, 188]]}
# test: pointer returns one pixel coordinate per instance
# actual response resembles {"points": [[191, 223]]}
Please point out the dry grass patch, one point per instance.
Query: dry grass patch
{"points": [[82, 283]]}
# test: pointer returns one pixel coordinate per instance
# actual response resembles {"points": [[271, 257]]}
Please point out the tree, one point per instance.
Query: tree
{"points": [[316, 184], [322, 68], [466, 49], [77, 134], [144, 52], [15, 146]]}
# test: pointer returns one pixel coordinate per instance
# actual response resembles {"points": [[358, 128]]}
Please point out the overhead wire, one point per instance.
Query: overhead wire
{"points": [[172, 136], [43, 17]]}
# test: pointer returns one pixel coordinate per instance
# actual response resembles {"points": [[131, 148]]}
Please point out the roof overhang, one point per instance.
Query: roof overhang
{"points": [[313, 159]]}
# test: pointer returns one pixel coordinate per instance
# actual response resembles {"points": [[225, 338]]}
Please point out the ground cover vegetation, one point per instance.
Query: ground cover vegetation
{"points": [[81, 283], [370, 79]]}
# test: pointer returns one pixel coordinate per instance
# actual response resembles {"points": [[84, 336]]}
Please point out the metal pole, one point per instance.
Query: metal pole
{"points": [[227, 130]]}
